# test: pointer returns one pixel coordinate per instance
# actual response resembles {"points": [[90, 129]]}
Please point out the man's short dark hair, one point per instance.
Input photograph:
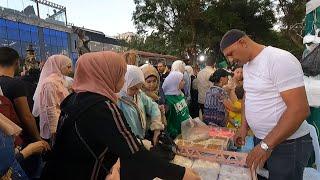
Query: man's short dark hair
{"points": [[8, 56], [218, 74], [231, 37], [239, 92], [162, 62]]}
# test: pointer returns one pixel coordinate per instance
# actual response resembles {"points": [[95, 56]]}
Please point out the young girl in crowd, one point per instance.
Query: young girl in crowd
{"points": [[176, 104], [152, 82], [50, 92], [236, 80], [141, 112], [152, 88], [235, 117], [217, 100], [180, 66]]}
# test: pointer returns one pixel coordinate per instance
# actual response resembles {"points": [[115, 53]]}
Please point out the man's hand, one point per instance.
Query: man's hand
{"points": [[240, 137], [162, 109], [257, 157], [35, 148], [114, 172]]}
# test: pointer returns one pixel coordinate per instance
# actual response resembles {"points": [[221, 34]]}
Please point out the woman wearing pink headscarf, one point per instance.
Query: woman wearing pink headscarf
{"points": [[93, 132], [50, 92]]}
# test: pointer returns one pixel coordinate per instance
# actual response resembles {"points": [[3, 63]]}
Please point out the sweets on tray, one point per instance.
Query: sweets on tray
{"points": [[221, 132], [212, 143], [182, 161], [181, 142], [215, 143]]}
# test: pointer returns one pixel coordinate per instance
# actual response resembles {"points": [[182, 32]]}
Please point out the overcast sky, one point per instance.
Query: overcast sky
{"points": [[109, 16]]}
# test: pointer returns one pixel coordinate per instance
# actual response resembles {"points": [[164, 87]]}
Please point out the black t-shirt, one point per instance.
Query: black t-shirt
{"points": [[163, 76], [30, 84], [12, 88]]}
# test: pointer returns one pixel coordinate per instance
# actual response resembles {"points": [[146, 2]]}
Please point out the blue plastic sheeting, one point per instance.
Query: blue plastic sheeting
{"points": [[64, 35], [3, 32], [21, 35], [34, 37], [65, 43], [25, 35], [249, 144], [53, 40], [3, 23], [46, 31], [74, 58], [12, 24], [52, 32], [58, 34], [13, 34], [23, 26], [34, 29]]}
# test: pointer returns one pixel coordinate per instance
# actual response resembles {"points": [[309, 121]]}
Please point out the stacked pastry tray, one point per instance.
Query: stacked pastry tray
{"points": [[211, 160]]}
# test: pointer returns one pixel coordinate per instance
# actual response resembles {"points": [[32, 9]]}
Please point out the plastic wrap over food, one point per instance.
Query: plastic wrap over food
{"points": [[312, 86], [206, 170], [228, 172], [194, 129], [212, 144]]}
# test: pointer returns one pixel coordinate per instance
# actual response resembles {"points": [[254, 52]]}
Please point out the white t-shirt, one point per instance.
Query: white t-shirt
{"points": [[271, 72], [203, 83]]}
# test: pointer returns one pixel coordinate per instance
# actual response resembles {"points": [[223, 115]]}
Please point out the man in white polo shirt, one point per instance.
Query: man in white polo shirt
{"points": [[275, 106]]}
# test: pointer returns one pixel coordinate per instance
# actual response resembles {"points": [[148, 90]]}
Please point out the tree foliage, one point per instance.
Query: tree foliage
{"points": [[187, 27]]}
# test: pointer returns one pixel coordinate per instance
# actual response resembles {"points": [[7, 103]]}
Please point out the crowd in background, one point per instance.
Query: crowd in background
{"points": [[107, 120]]}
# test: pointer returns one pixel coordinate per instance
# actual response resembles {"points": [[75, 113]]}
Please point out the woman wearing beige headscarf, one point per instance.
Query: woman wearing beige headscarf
{"points": [[152, 87], [93, 132], [50, 92], [152, 81]]}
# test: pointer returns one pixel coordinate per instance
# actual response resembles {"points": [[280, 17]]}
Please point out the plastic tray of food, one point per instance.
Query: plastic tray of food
{"points": [[212, 143], [227, 159], [211, 170]]}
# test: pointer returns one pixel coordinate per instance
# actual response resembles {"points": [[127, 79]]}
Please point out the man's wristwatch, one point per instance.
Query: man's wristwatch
{"points": [[265, 146]]}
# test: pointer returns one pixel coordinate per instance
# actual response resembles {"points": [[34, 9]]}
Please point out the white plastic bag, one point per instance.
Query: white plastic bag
{"points": [[312, 86]]}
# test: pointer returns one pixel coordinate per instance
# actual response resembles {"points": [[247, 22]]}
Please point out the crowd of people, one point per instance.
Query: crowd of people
{"points": [[104, 123]]}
